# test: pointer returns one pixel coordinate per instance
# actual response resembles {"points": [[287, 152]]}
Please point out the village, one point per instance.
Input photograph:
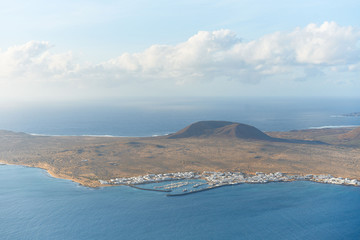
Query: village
{"points": [[216, 179]]}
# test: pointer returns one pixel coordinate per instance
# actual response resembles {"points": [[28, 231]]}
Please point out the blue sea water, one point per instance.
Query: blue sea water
{"points": [[161, 116], [34, 205]]}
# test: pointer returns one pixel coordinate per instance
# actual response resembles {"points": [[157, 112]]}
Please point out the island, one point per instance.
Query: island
{"points": [[354, 114], [219, 152]]}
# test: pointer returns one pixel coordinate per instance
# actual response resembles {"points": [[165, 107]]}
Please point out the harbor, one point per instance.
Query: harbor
{"points": [[184, 183]]}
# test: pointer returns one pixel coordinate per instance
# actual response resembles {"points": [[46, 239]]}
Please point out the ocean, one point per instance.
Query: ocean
{"points": [[33, 205], [162, 116]]}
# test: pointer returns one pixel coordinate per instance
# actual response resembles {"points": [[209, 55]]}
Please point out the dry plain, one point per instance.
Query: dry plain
{"points": [[228, 147]]}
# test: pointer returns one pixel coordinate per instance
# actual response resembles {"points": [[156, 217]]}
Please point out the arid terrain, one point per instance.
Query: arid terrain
{"points": [[203, 146]]}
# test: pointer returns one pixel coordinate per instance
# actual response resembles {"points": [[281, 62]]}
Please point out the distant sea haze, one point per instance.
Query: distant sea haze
{"points": [[110, 119]]}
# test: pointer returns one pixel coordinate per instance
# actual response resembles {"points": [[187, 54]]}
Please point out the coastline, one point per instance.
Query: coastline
{"points": [[212, 178], [226, 160], [85, 182], [220, 179]]}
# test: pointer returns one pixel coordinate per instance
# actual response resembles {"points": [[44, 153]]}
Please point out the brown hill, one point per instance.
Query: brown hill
{"points": [[222, 129], [351, 135]]}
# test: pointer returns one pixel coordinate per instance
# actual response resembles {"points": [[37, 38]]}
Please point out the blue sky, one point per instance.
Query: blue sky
{"points": [[55, 50]]}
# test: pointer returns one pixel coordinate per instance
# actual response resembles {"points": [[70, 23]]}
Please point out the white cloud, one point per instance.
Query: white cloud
{"points": [[354, 67], [34, 62], [327, 44], [221, 54], [312, 52]]}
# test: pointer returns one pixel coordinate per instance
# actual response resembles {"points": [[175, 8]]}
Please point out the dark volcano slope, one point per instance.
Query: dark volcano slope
{"points": [[206, 129], [223, 129]]}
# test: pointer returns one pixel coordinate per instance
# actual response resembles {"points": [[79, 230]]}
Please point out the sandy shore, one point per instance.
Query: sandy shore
{"points": [[47, 168]]}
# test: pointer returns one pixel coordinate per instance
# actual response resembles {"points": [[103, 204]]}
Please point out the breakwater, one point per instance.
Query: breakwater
{"points": [[149, 189]]}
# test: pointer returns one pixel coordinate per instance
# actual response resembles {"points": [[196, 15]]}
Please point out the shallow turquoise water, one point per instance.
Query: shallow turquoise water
{"points": [[34, 205]]}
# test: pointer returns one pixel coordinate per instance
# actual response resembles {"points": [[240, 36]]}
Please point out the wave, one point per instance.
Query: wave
{"points": [[92, 135], [334, 126], [83, 135]]}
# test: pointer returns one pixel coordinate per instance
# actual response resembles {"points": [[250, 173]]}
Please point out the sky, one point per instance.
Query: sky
{"points": [[75, 50]]}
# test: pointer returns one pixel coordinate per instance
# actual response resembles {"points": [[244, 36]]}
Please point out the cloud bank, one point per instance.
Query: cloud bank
{"points": [[33, 61], [222, 55], [309, 53]]}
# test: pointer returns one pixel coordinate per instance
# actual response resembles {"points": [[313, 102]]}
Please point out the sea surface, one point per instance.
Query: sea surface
{"points": [[34, 205], [162, 116]]}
